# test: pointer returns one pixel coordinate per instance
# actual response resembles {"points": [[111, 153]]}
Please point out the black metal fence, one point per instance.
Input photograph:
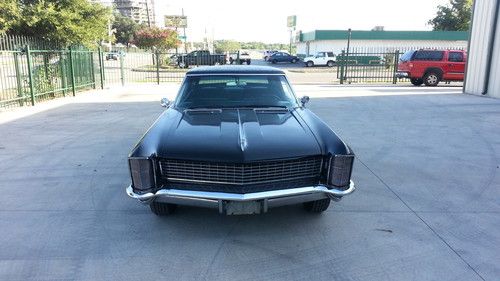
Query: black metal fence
{"points": [[371, 65]]}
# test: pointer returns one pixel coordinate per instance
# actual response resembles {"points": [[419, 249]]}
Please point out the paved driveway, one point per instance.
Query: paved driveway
{"points": [[427, 205]]}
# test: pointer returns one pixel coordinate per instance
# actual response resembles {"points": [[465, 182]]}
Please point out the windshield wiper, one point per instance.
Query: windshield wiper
{"points": [[203, 109], [265, 107]]}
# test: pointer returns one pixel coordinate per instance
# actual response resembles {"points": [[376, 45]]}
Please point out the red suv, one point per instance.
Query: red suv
{"points": [[431, 66]]}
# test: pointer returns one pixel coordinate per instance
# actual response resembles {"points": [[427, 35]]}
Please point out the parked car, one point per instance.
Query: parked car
{"points": [[282, 57], [429, 67], [243, 56], [112, 56], [201, 57], [321, 58], [268, 54], [237, 139]]}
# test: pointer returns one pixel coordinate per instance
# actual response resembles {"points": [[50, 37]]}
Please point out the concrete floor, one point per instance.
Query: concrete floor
{"points": [[427, 205]]}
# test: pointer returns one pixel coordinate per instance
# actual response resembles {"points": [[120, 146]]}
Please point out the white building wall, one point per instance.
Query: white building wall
{"points": [[477, 60], [376, 45]]}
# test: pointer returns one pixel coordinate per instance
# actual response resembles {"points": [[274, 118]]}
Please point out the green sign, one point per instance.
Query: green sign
{"points": [[181, 37], [291, 21], [176, 21]]}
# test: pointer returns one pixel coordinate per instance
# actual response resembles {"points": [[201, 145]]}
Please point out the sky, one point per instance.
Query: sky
{"points": [[265, 21]]}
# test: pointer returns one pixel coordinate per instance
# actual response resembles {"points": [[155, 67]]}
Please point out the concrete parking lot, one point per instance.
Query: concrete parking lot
{"points": [[426, 208]]}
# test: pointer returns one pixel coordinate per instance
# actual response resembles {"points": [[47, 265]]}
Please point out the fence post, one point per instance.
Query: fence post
{"points": [[238, 57], [101, 69], [342, 62], [122, 72], [157, 53], [64, 76], [18, 78], [30, 75], [72, 71], [92, 70], [395, 67]]}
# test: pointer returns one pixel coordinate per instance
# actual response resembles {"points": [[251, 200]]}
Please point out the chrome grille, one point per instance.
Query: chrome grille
{"points": [[240, 174]]}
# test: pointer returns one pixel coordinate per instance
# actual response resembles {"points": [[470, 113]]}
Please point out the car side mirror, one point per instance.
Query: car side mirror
{"points": [[164, 102], [304, 100]]}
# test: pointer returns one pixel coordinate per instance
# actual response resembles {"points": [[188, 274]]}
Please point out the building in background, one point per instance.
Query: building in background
{"points": [[141, 11], [378, 40], [483, 61]]}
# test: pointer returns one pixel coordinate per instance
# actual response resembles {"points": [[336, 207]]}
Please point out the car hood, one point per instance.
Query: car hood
{"points": [[229, 135]]}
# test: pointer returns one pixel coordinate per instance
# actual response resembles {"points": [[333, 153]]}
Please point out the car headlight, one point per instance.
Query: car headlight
{"points": [[141, 170], [340, 170]]}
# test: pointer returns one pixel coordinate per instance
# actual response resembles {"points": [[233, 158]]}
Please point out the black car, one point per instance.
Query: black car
{"points": [[201, 57], [282, 57], [237, 139]]}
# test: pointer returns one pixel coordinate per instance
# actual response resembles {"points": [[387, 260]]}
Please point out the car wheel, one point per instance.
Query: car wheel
{"points": [[182, 64], [431, 79], [330, 63], [310, 64], [248, 62], [231, 61], [274, 61], [162, 209], [294, 60], [417, 81], [317, 206]]}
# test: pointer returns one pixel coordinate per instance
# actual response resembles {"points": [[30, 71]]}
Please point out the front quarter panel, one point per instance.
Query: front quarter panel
{"points": [[328, 140], [150, 141]]}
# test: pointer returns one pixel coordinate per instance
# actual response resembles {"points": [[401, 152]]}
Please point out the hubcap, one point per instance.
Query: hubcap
{"points": [[432, 79]]}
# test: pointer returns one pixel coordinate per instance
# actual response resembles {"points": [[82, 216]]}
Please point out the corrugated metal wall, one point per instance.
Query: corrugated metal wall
{"points": [[494, 84], [481, 35]]}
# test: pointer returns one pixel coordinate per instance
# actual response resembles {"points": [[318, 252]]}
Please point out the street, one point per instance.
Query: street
{"points": [[426, 205]]}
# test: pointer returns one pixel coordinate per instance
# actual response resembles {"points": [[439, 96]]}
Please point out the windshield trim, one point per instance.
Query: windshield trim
{"points": [[295, 103]]}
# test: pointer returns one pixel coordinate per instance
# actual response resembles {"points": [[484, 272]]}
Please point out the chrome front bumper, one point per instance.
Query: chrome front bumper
{"points": [[402, 74], [220, 200]]}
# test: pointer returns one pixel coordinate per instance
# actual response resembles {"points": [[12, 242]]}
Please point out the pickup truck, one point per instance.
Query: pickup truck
{"points": [[429, 67], [321, 58], [244, 58], [201, 57]]}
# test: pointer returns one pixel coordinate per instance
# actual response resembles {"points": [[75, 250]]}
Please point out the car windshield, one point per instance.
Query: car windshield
{"points": [[235, 91], [407, 56]]}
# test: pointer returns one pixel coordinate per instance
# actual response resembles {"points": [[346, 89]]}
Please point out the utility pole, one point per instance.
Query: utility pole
{"points": [[184, 33], [147, 13]]}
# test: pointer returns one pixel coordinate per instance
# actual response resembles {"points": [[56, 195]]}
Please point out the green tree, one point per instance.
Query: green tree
{"points": [[125, 29], [63, 22], [455, 16], [9, 14], [222, 46], [160, 38]]}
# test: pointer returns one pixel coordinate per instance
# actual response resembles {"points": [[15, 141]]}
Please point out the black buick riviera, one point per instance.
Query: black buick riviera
{"points": [[237, 139]]}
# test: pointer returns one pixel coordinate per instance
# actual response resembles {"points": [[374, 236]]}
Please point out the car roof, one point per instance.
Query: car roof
{"points": [[234, 69]]}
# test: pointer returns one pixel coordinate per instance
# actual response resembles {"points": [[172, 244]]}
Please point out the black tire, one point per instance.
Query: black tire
{"points": [[431, 79], [274, 61], [310, 64], [330, 63], [417, 81], [231, 61], [317, 206], [248, 62], [162, 209]]}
